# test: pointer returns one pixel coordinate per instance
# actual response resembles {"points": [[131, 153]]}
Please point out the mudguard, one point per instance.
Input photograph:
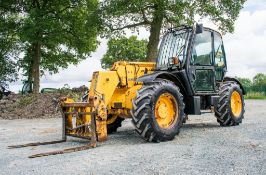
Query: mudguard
{"points": [[165, 75], [150, 77], [237, 81]]}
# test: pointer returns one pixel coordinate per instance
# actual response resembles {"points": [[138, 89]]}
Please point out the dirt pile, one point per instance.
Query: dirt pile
{"points": [[17, 106], [44, 105]]}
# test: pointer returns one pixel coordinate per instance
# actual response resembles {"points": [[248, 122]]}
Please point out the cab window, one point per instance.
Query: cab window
{"points": [[202, 49], [219, 57]]}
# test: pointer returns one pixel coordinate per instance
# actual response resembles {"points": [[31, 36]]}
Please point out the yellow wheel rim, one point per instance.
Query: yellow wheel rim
{"points": [[236, 104], [166, 110]]}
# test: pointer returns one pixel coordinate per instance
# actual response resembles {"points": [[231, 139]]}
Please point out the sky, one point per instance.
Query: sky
{"points": [[245, 51]]}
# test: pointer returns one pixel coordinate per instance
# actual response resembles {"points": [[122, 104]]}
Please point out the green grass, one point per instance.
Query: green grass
{"points": [[255, 95]]}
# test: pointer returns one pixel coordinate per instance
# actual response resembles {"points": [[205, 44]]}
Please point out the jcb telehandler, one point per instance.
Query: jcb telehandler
{"points": [[188, 76]]}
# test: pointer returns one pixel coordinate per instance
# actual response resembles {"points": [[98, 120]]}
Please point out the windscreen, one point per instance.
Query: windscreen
{"points": [[174, 44]]}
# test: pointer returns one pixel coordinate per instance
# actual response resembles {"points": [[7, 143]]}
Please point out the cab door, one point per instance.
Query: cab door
{"points": [[201, 66]]}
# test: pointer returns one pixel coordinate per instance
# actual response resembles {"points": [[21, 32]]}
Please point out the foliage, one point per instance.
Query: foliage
{"points": [[256, 89], [259, 80], [135, 13], [52, 34], [8, 71], [247, 83], [159, 15], [255, 95], [124, 49], [9, 48]]}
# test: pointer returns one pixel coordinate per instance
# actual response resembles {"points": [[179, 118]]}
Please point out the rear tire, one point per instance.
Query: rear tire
{"points": [[145, 111], [229, 111]]}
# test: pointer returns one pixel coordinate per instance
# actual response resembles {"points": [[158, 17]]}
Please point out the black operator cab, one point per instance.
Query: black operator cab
{"points": [[198, 50], [196, 56]]}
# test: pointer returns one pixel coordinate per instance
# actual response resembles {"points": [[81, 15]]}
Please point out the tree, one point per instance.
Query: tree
{"points": [[124, 49], [8, 71], [259, 79], [53, 34], [246, 82], [9, 48], [158, 15]]}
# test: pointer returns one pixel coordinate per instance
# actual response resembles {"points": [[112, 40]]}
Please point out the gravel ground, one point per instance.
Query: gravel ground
{"points": [[202, 147]]}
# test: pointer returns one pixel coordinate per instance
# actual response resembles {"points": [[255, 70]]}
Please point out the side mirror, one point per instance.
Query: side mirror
{"points": [[199, 28]]}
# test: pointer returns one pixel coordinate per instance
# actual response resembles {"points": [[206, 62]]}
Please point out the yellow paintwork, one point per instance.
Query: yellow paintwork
{"points": [[103, 85], [122, 85], [79, 120], [130, 95], [236, 104], [166, 110], [128, 72], [114, 90], [69, 117]]}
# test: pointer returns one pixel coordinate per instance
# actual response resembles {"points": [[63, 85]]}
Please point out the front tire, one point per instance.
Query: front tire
{"points": [[230, 108], [158, 111]]}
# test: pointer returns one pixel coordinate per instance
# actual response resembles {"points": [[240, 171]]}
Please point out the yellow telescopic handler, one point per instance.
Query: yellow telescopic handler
{"points": [[187, 77]]}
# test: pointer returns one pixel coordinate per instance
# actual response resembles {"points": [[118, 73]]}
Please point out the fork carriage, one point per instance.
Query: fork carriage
{"points": [[77, 121]]}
